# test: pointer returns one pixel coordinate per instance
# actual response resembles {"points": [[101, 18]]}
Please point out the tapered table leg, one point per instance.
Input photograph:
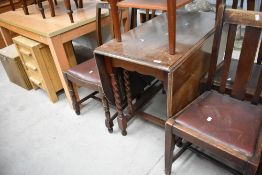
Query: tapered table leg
{"points": [[69, 10]]}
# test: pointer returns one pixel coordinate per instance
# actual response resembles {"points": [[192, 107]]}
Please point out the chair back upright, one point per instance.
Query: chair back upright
{"points": [[99, 7], [253, 22]]}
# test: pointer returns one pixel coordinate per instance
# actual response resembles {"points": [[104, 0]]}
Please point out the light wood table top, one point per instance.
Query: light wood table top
{"points": [[51, 26]]}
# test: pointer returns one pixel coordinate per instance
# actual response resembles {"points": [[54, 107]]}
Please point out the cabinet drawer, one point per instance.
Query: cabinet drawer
{"points": [[30, 66], [37, 81], [26, 55], [36, 74]]}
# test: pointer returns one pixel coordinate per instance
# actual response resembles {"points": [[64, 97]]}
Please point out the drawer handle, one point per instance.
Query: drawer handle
{"points": [[35, 81], [30, 66], [25, 52]]}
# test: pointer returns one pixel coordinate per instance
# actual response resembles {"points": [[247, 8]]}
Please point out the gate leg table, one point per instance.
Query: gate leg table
{"points": [[145, 50]]}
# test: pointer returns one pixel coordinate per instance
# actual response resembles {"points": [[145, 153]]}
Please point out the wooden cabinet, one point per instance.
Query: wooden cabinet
{"points": [[39, 65]]}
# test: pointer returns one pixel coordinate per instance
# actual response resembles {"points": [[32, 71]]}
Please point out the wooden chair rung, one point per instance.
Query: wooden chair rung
{"points": [[87, 97]]}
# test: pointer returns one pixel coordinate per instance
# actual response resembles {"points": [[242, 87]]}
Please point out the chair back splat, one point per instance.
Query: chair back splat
{"points": [[253, 23]]}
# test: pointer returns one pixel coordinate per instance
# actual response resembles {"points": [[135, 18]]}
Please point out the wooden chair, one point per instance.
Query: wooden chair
{"points": [[169, 5], [224, 125], [86, 75], [229, 82]]}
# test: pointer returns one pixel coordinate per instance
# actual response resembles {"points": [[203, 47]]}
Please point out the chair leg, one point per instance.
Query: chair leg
{"points": [[250, 169], [69, 10], [41, 9], [133, 18], [259, 170], [80, 3], [76, 3], [142, 18], [169, 146], [108, 121], [52, 8], [55, 1], [73, 97], [24, 6], [12, 5]]}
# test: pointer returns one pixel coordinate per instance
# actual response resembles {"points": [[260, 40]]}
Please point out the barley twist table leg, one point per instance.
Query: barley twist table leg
{"points": [[108, 121], [121, 119], [128, 92]]}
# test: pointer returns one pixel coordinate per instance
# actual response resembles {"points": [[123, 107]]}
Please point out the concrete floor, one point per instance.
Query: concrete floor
{"points": [[38, 137]]}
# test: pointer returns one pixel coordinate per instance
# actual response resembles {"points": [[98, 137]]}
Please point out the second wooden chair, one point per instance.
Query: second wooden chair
{"points": [[227, 126], [86, 75]]}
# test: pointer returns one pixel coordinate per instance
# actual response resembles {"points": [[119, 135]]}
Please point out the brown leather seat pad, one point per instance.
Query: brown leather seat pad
{"points": [[86, 71], [234, 123]]}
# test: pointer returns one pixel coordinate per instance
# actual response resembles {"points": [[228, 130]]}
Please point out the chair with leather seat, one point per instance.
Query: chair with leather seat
{"points": [[86, 75], [226, 126]]}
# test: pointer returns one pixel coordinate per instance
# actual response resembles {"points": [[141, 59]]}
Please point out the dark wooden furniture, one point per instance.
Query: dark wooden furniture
{"points": [[12, 5], [67, 3], [40, 6], [145, 50], [51, 6], [232, 70], [78, 3], [224, 125], [169, 5], [24, 6], [86, 75]]}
